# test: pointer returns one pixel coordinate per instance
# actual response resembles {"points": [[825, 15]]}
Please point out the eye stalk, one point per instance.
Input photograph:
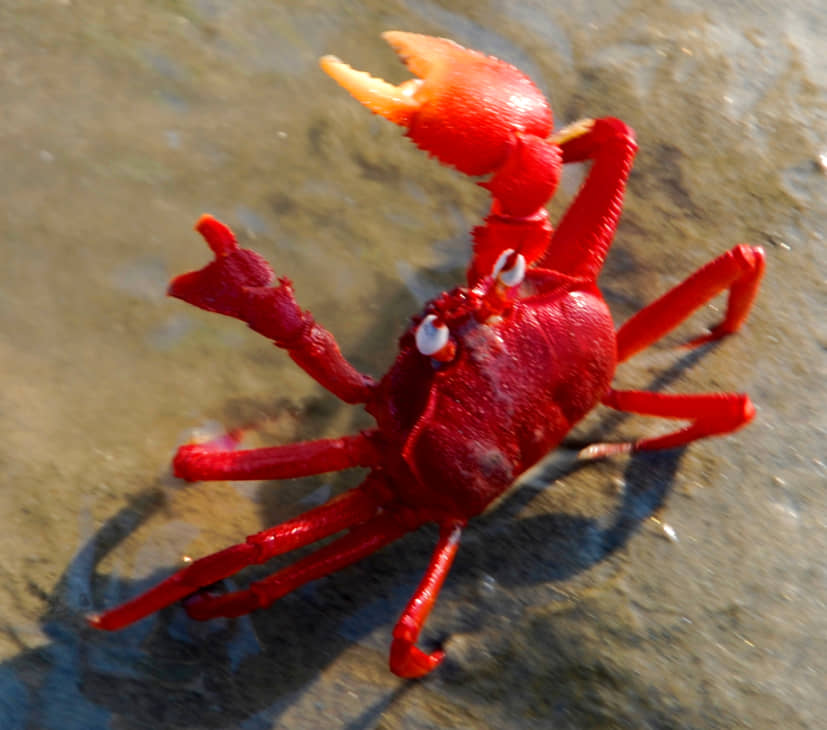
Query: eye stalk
{"points": [[509, 270], [498, 296], [433, 339]]}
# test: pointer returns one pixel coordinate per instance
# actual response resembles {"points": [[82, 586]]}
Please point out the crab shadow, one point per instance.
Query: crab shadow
{"points": [[168, 671]]}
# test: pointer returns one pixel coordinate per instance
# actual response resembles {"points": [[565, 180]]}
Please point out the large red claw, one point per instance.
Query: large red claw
{"points": [[466, 108]]}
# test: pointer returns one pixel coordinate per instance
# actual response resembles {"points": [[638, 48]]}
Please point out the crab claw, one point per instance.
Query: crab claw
{"points": [[465, 108], [219, 286]]}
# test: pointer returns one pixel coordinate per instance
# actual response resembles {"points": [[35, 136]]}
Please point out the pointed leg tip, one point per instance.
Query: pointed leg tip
{"points": [[415, 669], [101, 622], [572, 131], [409, 662], [716, 333], [603, 450]]}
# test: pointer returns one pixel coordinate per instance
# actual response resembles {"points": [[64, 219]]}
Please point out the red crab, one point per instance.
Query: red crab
{"points": [[489, 377]]}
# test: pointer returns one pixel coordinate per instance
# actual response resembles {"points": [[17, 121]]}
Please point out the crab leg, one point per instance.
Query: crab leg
{"points": [[216, 460], [739, 270], [360, 542], [238, 284], [406, 660], [710, 413], [359, 505], [581, 240]]}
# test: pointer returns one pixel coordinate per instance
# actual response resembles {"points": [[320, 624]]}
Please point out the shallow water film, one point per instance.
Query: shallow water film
{"points": [[683, 589]]}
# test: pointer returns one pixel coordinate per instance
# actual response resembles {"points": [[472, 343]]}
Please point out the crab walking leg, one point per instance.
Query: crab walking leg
{"points": [[354, 507], [406, 660], [360, 542], [238, 283], [216, 460], [581, 240], [710, 414], [740, 270]]}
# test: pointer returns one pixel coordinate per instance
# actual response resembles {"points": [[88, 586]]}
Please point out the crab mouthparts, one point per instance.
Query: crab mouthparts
{"points": [[420, 53]]}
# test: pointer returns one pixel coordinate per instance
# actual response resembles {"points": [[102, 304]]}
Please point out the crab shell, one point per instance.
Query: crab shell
{"points": [[517, 384]]}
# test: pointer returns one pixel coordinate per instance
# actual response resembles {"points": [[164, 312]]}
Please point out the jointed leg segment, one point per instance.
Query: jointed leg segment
{"points": [[581, 240], [739, 270], [356, 507], [710, 414], [406, 660], [360, 542], [216, 460]]}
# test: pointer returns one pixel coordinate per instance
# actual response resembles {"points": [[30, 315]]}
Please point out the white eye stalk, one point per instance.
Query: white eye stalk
{"points": [[510, 268], [434, 340]]}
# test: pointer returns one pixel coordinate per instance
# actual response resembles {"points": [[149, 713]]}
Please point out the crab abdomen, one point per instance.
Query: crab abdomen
{"points": [[517, 388]]}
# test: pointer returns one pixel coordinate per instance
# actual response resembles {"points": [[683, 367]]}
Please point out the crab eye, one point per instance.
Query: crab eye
{"points": [[434, 340], [510, 268]]}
